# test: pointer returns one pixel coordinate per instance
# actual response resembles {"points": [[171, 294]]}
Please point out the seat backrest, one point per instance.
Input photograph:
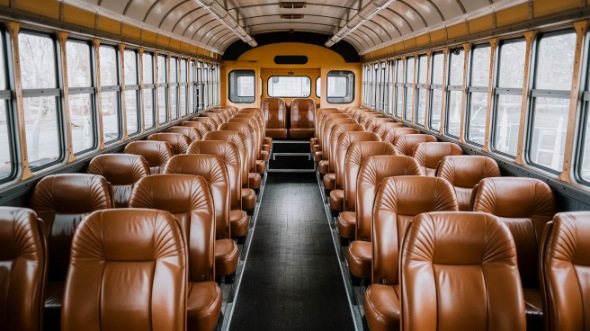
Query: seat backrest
{"points": [[239, 141], [565, 262], [391, 134], [322, 126], [192, 133], [370, 175], [128, 271], [275, 113], [374, 122], [259, 115], [428, 155], [525, 205], [178, 142], [464, 172], [210, 122], [405, 144], [459, 273], [344, 142], [122, 171], [337, 131], [155, 152], [397, 202], [327, 136], [356, 155], [384, 127], [302, 113], [62, 201], [249, 137], [230, 155], [23, 252], [255, 130], [213, 169], [188, 199], [321, 113], [200, 126]]}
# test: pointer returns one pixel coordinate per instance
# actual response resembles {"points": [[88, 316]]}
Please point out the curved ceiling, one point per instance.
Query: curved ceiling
{"points": [[366, 25]]}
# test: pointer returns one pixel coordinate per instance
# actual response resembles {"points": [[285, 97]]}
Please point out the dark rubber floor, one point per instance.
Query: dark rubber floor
{"points": [[292, 280]]}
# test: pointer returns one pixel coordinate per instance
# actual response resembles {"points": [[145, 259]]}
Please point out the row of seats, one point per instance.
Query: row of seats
{"points": [[197, 178], [294, 122], [381, 175]]}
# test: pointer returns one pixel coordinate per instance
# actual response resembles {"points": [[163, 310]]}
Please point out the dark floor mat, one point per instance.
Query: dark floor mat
{"points": [[292, 279]]}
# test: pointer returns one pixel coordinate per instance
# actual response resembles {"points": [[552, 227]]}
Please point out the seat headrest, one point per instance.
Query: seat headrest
{"points": [[228, 151], [119, 169], [155, 152], [71, 193], [467, 170]]}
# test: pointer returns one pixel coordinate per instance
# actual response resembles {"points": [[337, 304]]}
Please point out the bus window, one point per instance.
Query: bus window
{"points": [[477, 94], [289, 86], [550, 99], [409, 89], [174, 87], [110, 92], [388, 99], [162, 89], [508, 94], [149, 93], [182, 95], [436, 90], [420, 105], [318, 87], [241, 86], [454, 92], [131, 92], [7, 168], [192, 87], [41, 93], [399, 88], [340, 87], [81, 96]]}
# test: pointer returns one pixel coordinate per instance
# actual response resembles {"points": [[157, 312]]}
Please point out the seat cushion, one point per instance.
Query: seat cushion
{"points": [[266, 148], [267, 141], [337, 200], [260, 166], [248, 199], [312, 141], [264, 155], [239, 223], [383, 307], [317, 155], [254, 180], [203, 305], [329, 181], [360, 258], [323, 167], [277, 133], [226, 256], [347, 224], [300, 133]]}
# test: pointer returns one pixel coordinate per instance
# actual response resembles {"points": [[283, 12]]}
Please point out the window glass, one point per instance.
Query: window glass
{"points": [[109, 71], [455, 91], [148, 90], [289, 86], [131, 92], [584, 165], [109, 95], [42, 128], [553, 72], [318, 87], [174, 87], [478, 98], [241, 86], [421, 89], [162, 89], [6, 155], [436, 94], [183, 87], [399, 81], [409, 88], [340, 87]]}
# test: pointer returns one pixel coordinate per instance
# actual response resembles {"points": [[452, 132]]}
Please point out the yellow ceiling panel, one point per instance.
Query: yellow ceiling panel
{"points": [[550, 7], [512, 15], [47, 8], [108, 25], [481, 24], [78, 16], [438, 35], [423, 40], [458, 30], [130, 31]]}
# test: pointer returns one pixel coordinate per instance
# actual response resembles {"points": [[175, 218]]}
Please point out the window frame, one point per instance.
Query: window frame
{"points": [[230, 81], [471, 89], [350, 76], [287, 96]]}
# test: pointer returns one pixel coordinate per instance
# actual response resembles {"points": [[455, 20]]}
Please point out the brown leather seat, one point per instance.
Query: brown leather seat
{"points": [[392, 133], [464, 172], [370, 175], [122, 171], [178, 142], [156, 153], [356, 155], [336, 198], [368, 117], [127, 272], [275, 114], [200, 126], [267, 141], [213, 169], [238, 139], [23, 252], [324, 163], [210, 122], [385, 127], [323, 142], [405, 144], [62, 201], [397, 202], [376, 121], [188, 198], [254, 177], [525, 205], [302, 119], [192, 133], [329, 179], [428, 155], [320, 113], [260, 156], [228, 152], [258, 123], [459, 273], [564, 265]]}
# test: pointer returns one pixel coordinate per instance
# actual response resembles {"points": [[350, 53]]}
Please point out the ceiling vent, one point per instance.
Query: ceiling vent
{"points": [[292, 5], [292, 16]]}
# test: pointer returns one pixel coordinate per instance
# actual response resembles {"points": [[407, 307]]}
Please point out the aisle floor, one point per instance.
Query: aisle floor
{"points": [[292, 279]]}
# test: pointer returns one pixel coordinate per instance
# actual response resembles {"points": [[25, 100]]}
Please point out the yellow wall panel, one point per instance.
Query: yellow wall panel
{"points": [[108, 25], [438, 35], [423, 40], [513, 15], [163, 40], [174, 43], [481, 24], [549, 7], [4, 3], [410, 43], [47, 8], [130, 31], [458, 30], [78, 16], [148, 37], [185, 47]]}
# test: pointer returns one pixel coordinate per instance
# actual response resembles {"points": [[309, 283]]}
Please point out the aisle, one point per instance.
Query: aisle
{"points": [[292, 280]]}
